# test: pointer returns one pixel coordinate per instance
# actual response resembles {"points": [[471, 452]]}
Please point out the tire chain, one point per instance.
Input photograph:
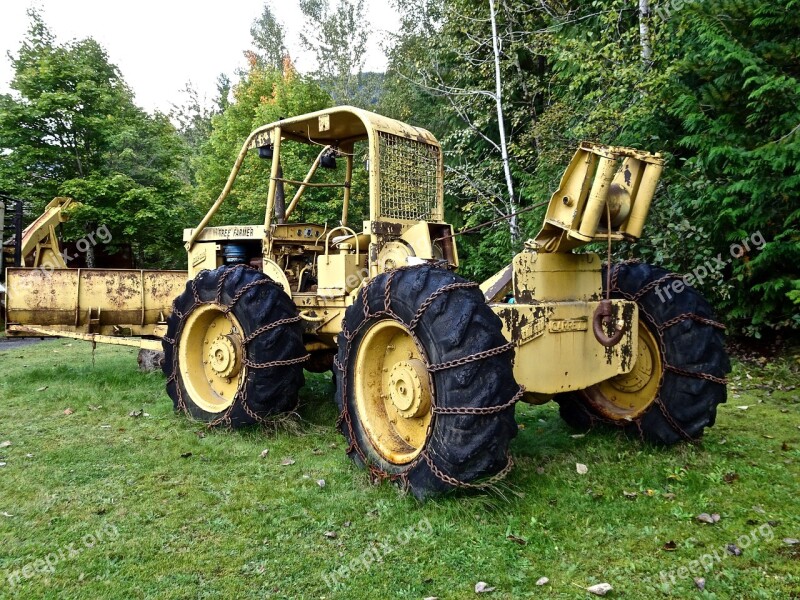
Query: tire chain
{"points": [[377, 474], [241, 395], [667, 367]]}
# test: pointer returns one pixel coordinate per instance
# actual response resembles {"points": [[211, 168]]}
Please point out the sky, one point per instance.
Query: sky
{"points": [[160, 46]]}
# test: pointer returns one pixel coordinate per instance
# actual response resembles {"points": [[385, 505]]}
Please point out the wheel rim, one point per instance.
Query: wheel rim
{"points": [[392, 390], [627, 396], [210, 357]]}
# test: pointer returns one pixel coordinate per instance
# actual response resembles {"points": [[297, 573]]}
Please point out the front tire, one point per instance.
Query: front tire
{"points": [[233, 352], [678, 379], [425, 384]]}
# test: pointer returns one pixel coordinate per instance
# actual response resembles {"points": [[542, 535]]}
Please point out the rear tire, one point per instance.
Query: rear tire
{"points": [[234, 349], [430, 429], [681, 350]]}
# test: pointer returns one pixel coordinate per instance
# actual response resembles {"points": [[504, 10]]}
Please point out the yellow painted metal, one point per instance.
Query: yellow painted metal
{"points": [[556, 348], [275, 136], [625, 179], [210, 357], [340, 126], [498, 286], [112, 302], [203, 256], [136, 342], [273, 270], [627, 396], [40, 247], [555, 298], [393, 392], [596, 203], [348, 179], [339, 274], [550, 277]]}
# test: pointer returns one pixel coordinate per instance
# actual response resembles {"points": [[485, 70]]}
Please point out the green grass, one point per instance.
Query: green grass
{"points": [[226, 523]]}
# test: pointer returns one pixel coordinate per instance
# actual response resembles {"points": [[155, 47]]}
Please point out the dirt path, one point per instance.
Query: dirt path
{"points": [[13, 343]]}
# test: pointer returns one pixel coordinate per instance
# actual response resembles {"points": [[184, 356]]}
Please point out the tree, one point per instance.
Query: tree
{"points": [[72, 129], [268, 40], [479, 80], [713, 85], [336, 33]]}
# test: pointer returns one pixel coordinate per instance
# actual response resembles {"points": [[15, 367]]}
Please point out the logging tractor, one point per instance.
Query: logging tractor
{"points": [[428, 366]]}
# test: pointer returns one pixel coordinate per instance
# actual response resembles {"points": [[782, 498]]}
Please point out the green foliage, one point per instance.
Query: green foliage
{"points": [[72, 129], [336, 33], [719, 96]]}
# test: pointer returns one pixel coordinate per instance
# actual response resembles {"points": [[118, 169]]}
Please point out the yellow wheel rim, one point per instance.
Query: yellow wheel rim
{"points": [[628, 396], [210, 357], [392, 390]]}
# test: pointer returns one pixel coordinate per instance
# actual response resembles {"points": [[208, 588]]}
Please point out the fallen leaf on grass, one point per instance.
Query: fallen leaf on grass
{"points": [[540, 470], [601, 589], [785, 447], [331, 535], [577, 436], [317, 452], [5, 514], [5, 444], [742, 407], [791, 541], [769, 437], [431, 598], [287, 462], [321, 483], [707, 518], [347, 524], [483, 588], [731, 477], [542, 581], [105, 426], [759, 509], [186, 455], [581, 468], [700, 583], [68, 411], [668, 496], [201, 434], [264, 453], [43, 388], [733, 549], [517, 539], [2, 464], [136, 413], [629, 495], [670, 546]]}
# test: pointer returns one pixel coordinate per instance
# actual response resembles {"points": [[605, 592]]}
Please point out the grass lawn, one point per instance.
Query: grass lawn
{"points": [[102, 504]]}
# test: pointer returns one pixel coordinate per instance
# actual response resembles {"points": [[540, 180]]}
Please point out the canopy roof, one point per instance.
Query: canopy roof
{"points": [[338, 126]]}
